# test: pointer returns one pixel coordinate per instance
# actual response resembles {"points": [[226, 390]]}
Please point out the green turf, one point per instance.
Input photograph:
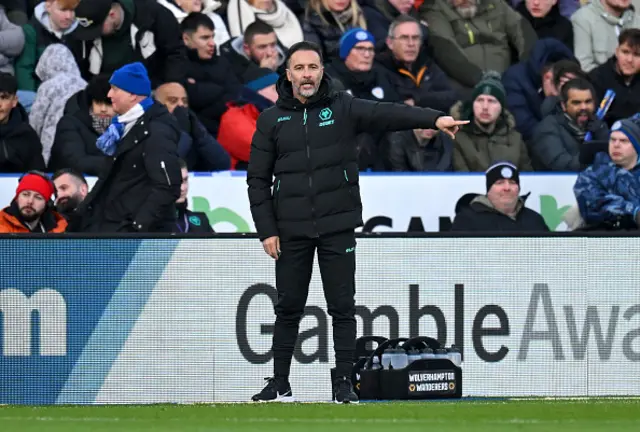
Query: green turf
{"points": [[609, 415]]}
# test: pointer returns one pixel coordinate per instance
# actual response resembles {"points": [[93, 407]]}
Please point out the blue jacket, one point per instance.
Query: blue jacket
{"points": [[523, 81], [607, 194]]}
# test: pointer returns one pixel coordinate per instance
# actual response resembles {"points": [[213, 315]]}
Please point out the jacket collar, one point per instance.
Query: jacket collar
{"points": [[287, 101]]}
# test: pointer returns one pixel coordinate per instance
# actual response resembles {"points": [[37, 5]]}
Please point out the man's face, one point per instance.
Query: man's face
{"points": [[360, 58], [466, 8], [305, 73], [202, 41], [579, 106], [539, 8], [406, 42], [121, 101], [184, 187], [31, 205], [402, 6], [486, 110], [261, 46], [172, 95], [70, 192], [113, 20], [618, 5], [7, 103], [61, 18], [621, 150], [102, 109], [190, 5], [628, 60], [503, 194]]}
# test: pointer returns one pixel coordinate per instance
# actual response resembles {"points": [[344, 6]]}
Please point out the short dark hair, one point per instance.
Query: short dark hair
{"points": [[564, 67], [8, 83], [182, 164], [195, 20], [256, 28], [72, 172], [576, 84], [630, 37], [304, 46], [98, 88]]}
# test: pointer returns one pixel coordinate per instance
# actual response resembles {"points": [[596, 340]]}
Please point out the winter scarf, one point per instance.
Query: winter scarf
{"points": [[107, 143]]}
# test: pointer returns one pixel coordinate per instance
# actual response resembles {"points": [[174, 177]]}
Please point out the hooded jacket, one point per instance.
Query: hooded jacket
{"points": [[11, 42], [150, 34], [74, 145], [596, 33], [608, 196], [20, 148], [523, 84], [60, 79], [481, 215], [11, 223], [38, 35], [476, 150], [311, 150]]}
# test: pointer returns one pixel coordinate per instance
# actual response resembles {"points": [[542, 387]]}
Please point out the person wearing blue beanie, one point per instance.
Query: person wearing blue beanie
{"points": [[630, 127], [351, 38], [141, 171], [132, 78]]}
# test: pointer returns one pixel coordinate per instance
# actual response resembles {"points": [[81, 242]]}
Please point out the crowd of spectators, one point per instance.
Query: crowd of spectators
{"points": [[528, 74]]}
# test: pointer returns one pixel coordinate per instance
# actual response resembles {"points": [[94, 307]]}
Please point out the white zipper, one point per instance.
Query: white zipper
{"points": [[165, 172]]}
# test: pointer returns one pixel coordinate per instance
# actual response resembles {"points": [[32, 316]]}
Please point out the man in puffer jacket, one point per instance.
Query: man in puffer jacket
{"points": [[61, 79]]}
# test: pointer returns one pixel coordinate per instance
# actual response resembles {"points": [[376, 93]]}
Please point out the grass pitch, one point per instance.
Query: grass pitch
{"points": [[610, 415]]}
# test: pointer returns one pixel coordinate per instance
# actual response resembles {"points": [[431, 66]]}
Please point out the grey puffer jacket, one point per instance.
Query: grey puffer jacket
{"points": [[61, 79]]}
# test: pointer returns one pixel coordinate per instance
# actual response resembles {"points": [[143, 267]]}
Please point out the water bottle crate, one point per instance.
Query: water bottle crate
{"points": [[405, 369]]}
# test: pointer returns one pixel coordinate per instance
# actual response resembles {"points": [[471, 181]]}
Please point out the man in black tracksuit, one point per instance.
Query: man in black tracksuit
{"points": [[307, 141]]}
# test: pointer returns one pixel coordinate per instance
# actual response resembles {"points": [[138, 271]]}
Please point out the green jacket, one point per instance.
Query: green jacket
{"points": [[37, 37], [475, 150], [464, 48]]}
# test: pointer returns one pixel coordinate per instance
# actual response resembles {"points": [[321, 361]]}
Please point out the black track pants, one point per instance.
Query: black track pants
{"points": [[337, 260]]}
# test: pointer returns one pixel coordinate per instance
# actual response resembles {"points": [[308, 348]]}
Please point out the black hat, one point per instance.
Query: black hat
{"points": [[90, 15], [502, 170]]}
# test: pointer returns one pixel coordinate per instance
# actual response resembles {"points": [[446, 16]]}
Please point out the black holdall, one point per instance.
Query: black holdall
{"points": [[431, 378]]}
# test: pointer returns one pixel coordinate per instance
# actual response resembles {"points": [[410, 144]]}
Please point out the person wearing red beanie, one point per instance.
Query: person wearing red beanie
{"points": [[29, 211]]}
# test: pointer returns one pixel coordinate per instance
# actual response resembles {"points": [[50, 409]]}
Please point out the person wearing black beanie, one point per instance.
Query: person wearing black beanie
{"points": [[501, 209]]}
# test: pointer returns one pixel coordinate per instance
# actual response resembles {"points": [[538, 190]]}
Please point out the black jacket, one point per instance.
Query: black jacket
{"points": [[425, 83], [480, 215], [553, 25], [75, 142], [20, 147], [166, 64], [627, 101], [374, 85], [310, 149], [199, 149], [406, 154], [138, 188], [214, 85], [190, 222]]}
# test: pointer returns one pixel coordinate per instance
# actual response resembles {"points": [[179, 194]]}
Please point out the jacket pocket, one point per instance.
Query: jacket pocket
{"points": [[352, 182]]}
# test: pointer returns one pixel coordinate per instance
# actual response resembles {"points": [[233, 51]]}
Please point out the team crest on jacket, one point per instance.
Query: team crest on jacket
{"points": [[325, 117], [195, 220]]}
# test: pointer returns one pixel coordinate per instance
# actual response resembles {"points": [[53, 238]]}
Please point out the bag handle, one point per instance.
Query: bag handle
{"points": [[421, 342], [361, 345]]}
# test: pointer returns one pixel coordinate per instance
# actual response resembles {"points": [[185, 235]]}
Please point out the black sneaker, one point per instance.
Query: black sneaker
{"points": [[343, 391], [275, 390]]}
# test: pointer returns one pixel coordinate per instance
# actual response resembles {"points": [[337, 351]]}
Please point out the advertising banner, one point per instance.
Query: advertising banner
{"points": [[186, 321], [401, 203]]}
